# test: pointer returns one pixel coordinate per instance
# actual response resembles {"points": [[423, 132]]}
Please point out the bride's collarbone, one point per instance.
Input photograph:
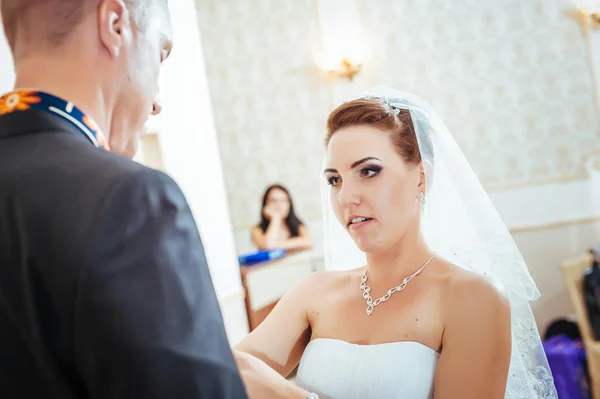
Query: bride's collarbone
{"points": [[346, 319], [350, 298]]}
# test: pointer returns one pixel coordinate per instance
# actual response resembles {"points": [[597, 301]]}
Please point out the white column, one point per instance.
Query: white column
{"points": [[7, 71], [592, 35], [190, 154]]}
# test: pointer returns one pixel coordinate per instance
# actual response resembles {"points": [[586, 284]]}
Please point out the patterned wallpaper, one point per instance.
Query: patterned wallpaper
{"points": [[512, 82]]}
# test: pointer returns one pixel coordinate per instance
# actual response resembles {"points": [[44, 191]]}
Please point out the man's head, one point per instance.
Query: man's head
{"points": [[117, 44]]}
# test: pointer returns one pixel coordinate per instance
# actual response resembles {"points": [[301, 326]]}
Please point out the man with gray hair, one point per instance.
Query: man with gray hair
{"points": [[105, 290]]}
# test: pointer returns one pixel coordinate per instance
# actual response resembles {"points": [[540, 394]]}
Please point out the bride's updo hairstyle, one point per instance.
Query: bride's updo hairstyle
{"points": [[375, 113]]}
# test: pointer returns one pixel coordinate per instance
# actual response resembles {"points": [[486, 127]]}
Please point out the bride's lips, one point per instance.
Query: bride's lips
{"points": [[358, 225]]}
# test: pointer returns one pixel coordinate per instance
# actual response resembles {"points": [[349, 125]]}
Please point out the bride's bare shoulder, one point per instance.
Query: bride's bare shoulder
{"points": [[329, 279], [459, 278], [470, 292]]}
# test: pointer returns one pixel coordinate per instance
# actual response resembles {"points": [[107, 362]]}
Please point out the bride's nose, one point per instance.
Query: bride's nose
{"points": [[348, 195]]}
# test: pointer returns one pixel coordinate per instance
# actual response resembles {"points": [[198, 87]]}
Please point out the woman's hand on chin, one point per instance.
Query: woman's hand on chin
{"points": [[262, 382]]}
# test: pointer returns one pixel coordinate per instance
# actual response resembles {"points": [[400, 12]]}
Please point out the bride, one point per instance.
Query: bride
{"points": [[428, 295]]}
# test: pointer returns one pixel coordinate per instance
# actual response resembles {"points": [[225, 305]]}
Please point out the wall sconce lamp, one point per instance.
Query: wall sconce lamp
{"points": [[342, 44], [588, 13], [347, 70], [588, 18]]}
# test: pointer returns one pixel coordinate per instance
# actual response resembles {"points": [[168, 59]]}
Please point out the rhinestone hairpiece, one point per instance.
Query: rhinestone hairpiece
{"points": [[386, 104]]}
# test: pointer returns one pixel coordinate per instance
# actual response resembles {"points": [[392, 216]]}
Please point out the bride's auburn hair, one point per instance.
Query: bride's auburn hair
{"points": [[372, 112]]}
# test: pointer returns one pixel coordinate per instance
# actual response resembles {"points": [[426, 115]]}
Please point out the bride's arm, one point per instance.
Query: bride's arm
{"points": [[476, 344], [281, 338]]}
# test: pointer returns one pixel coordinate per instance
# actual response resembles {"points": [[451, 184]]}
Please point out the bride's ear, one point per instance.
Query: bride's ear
{"points": [[426, 175]]}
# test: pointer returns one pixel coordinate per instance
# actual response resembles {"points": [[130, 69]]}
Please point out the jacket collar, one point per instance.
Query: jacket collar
{"points": [[35, 121]]}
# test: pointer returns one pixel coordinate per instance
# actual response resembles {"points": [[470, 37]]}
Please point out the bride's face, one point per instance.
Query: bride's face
{"points": [[373, 191]]}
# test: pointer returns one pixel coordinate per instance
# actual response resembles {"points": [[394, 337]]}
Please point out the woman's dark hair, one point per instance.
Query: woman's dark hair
{"points": [[292, 221]]}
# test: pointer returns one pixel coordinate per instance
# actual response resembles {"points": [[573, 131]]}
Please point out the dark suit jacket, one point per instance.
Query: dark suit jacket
{"points": [[104, 288]]}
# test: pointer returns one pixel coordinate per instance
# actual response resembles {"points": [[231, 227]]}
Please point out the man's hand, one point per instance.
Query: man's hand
{"points": [[262, 382]]}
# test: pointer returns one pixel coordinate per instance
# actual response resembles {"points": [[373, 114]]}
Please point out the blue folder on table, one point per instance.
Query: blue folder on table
{"points": [[254, 258]]}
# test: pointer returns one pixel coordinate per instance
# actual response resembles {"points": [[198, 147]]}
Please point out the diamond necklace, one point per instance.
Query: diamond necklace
{"points": [[366, 289]]}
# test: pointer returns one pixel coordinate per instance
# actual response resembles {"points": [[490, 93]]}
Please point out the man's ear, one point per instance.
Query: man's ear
{"points": [[114, 26]]}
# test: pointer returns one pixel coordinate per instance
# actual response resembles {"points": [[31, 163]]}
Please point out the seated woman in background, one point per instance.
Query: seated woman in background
{"points": [[279, 226]]}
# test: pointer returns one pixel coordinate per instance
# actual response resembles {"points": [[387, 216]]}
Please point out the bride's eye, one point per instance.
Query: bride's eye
{"points": [[370, 171], [333, 180]]}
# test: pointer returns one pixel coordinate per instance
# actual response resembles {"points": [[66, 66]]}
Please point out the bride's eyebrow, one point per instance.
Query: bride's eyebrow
{"points": [[354, 164], [361, 161]]}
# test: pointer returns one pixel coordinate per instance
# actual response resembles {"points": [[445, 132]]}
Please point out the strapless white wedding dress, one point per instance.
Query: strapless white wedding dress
{"points": [[336, 369]]}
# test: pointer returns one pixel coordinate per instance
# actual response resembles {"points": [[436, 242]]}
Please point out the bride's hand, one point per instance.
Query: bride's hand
{"points": [[262, 382]]}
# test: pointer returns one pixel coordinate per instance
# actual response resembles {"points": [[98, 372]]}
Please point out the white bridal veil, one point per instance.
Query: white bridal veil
{"points": [[461, 225]]}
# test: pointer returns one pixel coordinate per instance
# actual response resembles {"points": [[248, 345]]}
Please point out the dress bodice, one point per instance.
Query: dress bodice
{"points": [[337, 369]]}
